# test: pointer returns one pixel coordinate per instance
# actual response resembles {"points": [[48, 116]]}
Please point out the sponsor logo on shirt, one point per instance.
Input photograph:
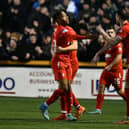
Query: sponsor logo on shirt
{"points": [[64, 31], [120, 31], [107, 55]]}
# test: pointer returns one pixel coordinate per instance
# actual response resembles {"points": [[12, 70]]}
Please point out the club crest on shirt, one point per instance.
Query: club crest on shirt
{"points": [[120, 31], [120, 49], [63, 74]]}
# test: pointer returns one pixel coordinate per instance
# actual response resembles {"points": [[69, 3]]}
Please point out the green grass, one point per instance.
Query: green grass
{"points": [[23, 113]]}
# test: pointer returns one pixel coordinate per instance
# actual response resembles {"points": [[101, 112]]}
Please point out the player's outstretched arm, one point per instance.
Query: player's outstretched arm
{"points": [[80, 37], [74, 36]]}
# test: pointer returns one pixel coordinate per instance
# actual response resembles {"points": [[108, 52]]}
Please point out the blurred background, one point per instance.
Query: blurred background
{"points": [[26, 30]]}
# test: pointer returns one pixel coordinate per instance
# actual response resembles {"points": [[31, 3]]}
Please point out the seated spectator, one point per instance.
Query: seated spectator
{"points": [[32, 17], [101, 43], [34, 47], [29, 30], [6, 37], [45, 19], [39, 18], [16, 16], [84, 12], [1, 18], [3, 52], [92, 23], [93, 46], [82, 44], [17, 51], [46, 46]]}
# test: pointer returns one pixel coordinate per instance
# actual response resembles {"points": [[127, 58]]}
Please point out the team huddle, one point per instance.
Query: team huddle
{"points": [[65, 64]]}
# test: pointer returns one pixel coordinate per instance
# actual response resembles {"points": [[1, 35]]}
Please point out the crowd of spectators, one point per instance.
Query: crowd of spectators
{"points": [[25, 26]]}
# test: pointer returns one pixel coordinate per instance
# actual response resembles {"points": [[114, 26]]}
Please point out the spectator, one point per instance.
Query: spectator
{"points": [[16, 16], [17, 51], [101, 43], [34, 47], [6, 38], [3, 55], [46, 46], [72, 8], [84, 12], [45, 20], [92, 47], [39, 18], [33, 17]]}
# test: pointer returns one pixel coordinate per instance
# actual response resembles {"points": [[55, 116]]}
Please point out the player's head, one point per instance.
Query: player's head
{"points": [[111, 31], [61, 17], [121, 15]]}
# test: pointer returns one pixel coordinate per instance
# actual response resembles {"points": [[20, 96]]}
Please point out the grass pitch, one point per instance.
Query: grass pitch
{"points": [[23, 113]]}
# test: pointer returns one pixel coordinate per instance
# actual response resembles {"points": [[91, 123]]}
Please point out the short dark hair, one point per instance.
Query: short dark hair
{"points": [[109, 27], [57, 14]]}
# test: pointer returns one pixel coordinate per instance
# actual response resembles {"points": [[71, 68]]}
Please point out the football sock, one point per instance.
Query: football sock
{"points": [[99, 101], [75, 101], [127, 101], [54, 96], [69, 101], [63, 104]]}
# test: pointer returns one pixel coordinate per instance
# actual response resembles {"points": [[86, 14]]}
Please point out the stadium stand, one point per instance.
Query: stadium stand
{"points": [[25, 26]]}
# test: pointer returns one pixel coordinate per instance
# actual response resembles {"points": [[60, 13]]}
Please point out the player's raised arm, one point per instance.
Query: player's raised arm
{"points": [[102, 32], [111, 42]]}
